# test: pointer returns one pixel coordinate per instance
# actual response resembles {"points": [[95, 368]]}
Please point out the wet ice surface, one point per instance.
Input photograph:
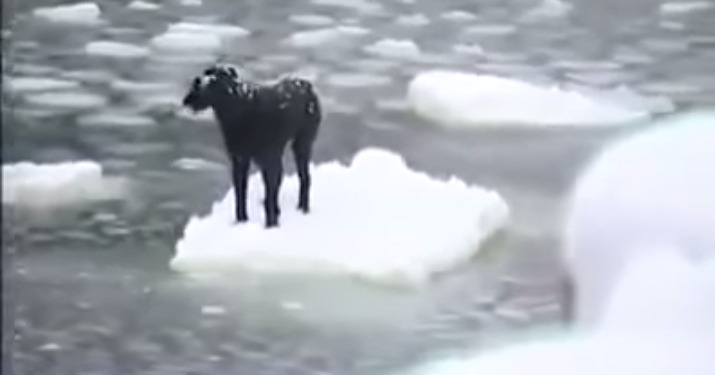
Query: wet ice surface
{"points": [[90, 286]]}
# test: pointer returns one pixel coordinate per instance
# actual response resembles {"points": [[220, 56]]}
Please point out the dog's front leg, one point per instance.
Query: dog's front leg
{"points": [[272, 172], [240, 166]]}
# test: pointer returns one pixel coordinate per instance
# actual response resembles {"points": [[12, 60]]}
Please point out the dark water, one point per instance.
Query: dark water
{"points": [[87, 289]]}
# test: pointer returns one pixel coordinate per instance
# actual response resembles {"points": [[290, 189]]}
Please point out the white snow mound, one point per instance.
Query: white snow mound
{"points": [[78, 13], [375, 219], [56, 184], [462, 99]]}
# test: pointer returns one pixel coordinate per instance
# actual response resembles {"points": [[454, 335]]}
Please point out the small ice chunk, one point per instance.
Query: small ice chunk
{"points": [[321, 37], [213, 310], [416, 19], [292, 305], [548, 9], [458, 16], [49, 347], [115, 49], [67, 99], [47, 185], [31, 84], [189, 37], [357, 80], [191, 3], [141, 87], [469, 49], [362, 6], [463, 99], [685, 7], [311, 19], [491, 30], [364, 222], [143, 5], [116, 118], [194, 164], [78, 13], [394, 49]]}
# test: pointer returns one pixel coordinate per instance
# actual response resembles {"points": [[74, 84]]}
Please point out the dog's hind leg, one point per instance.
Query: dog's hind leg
{"points": [[240, 166], [302, 152], [272, 173]]}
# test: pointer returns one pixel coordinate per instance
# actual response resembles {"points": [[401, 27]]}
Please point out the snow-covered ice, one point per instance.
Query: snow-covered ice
{"points": [[459, 16], [463, 99], [116, 118], [321, 37], [108, 48], [416, 19], [641, 253], [402, 49], [18, 85], [193, 164], [361, 6], [547, 10], [57, 184], [375, 219], [143, 5], [67, 99], [78, 13]]}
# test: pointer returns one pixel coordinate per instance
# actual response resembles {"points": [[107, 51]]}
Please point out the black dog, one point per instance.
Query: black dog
{"points": [[257, 121]]}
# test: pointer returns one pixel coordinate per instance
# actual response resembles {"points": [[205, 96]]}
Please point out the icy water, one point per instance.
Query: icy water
{"points": [[87, 289]]}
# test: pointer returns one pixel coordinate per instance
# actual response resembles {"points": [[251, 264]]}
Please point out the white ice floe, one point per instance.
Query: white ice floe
{"points": [[547, 10], [357, 80], [18, 85], [49, 185], [143, 5], [311, 19], [463, 99], [323, 36], [362, 6], [116, 118], [197, 164], [468, 49], [375, 219], [642, 259], [143, 88], [668, 198], [189, 38], [684, 7], [394, 49], [78, 13], [67, 99], [459, 16], [416, 19], [191, 3], [116, 49]]}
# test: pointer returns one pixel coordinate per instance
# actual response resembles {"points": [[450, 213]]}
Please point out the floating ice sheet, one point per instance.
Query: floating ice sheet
{"points": [[464, 99], [57, 184], [78, 13], [375, 219], [115, 49]]}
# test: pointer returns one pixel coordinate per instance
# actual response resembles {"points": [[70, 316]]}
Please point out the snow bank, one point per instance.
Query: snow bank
{"points": [[78, 13], [463, 99], [47, 185], [668, 197], [189, 38], [31, 84], [376, 220], [115, 49]]}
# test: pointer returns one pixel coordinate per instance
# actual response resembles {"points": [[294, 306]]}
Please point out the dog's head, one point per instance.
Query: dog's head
{"points": [[214, 82]]}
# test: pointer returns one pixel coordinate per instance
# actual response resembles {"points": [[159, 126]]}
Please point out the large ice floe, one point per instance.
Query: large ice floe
{"points": [[78, 13], [18, 85], [375, 220], [641, 255], [462, 99], [30, 184]]}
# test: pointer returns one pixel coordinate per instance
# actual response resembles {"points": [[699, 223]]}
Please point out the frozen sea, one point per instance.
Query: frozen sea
{"points": [[87, 287]]}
